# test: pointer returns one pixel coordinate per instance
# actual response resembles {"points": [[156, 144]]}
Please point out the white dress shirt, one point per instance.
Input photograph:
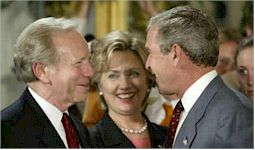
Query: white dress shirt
{"points": [[155, 110], [192, 94], [53, 113]]}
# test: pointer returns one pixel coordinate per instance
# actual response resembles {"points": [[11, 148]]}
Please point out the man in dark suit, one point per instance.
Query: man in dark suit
{"points": [[183, 45], [53, 59]]}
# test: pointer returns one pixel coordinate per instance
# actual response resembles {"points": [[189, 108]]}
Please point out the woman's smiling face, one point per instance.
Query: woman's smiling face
{"points": [[124, 84]]}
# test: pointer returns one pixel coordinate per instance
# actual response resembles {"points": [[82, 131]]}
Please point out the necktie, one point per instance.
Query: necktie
{"points": [[169, 111], [71, 136], [173, 124]]}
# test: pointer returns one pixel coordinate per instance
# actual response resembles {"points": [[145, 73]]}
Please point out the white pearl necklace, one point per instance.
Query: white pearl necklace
{"points": [[136, 131]]}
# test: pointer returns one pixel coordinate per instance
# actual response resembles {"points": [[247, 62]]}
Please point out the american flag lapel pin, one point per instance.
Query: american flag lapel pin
{"points": [[185, 141]]}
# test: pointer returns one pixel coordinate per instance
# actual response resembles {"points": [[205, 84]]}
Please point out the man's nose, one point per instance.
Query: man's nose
{"points": [[88, 71], [147, 65]]}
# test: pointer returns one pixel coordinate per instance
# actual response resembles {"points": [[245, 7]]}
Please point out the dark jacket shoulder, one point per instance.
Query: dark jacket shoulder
{"points": [[20, 126], [15, 110], [25, 125]]}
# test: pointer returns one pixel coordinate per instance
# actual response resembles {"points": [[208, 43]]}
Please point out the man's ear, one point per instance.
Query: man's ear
{"points": [[176, 53], [40, 71]]}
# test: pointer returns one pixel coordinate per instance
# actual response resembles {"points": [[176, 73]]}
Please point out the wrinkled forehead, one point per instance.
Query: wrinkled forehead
{"points": [[71, 44]]}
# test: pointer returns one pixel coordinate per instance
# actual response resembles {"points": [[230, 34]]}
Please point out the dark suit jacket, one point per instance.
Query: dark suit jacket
{"points": [[25, 125], [220, 118], [106, 134]]}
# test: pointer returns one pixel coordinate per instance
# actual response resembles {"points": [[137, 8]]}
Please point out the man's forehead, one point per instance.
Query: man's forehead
{"points": [[153, 30], [151, 34]]}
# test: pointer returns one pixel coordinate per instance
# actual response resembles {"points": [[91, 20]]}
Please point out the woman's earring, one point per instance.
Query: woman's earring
{"points": [[100, 93], [148, 90]]}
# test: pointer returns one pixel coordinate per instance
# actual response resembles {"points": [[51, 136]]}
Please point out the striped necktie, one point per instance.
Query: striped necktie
{"points": [[173, 124], [71, 136]]}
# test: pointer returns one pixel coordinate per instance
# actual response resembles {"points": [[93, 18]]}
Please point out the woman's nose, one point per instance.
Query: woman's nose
{"points": [[250, 78], [124, 82]]}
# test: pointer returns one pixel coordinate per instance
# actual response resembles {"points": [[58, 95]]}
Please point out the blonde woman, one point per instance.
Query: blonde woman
{"points": [[123, 85]]}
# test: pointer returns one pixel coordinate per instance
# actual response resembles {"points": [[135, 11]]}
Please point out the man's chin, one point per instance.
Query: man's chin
{"points": [[81, 99], [164, 92]]}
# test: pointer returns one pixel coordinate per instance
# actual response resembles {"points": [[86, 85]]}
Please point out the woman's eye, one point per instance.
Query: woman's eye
{"points": [[112, 76], [134, 74]]}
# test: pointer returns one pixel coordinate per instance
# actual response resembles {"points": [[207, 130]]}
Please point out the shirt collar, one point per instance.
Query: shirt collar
{"points": [[52, 112], [195, 90]]}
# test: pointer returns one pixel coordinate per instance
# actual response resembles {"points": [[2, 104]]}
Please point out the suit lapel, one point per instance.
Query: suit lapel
{"points": [[81, 131], [49, 135], [188, 130], [157, 135], [112, 135]]}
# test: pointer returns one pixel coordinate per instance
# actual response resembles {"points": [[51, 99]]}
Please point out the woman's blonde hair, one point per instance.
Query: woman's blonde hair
{"points": [[117, 41]]}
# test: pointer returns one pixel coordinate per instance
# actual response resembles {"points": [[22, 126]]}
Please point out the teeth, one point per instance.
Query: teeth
{"points": [[125, 96]]}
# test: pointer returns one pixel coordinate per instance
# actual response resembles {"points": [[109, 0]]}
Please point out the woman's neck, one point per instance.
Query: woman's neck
{"points": [[132, 121]]}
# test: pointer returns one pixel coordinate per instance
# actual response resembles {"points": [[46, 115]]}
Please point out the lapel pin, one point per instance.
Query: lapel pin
{"points": [[185, 141]]}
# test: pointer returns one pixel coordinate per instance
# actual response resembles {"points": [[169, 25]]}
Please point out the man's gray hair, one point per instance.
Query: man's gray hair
{"points": [[35, 45], [192, 29]]}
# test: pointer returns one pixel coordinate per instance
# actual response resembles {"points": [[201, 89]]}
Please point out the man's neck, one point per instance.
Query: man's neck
{"points": [[47, 94]]}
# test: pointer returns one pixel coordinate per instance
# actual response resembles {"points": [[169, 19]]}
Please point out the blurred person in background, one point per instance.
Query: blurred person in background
{"points": [[228, 44], [244, 61], [229, 40], [123, 84], [159, 108], [93, 110]]}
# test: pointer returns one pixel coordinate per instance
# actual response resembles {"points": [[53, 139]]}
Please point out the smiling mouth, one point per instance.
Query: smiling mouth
{"points": [[87, 86], [126, 95]]}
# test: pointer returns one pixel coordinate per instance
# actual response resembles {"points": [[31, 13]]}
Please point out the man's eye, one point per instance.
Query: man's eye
{"points": [[77, 63], [134, 74]]}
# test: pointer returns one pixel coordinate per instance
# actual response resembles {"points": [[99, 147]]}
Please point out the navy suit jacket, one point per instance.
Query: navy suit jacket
{"points": [[220, 118], [25, 125], [106, 134]]}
